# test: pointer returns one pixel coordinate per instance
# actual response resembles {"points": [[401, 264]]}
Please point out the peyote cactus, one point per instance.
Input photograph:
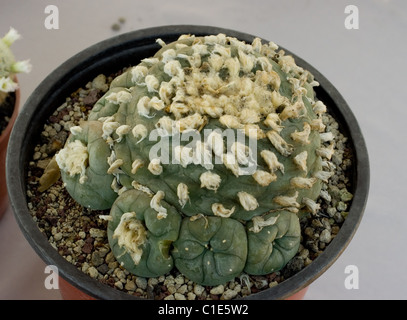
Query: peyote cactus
{"points": [[140, 239], [9, 66], [207, 154]]}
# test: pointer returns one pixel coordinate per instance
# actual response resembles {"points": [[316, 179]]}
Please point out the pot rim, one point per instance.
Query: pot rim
{"points": [[91, 60]]}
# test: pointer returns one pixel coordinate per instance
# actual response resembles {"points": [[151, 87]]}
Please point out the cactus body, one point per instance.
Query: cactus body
{"points": [[182, 125], [273, 245], [153, 235], [211, 250], [80, 161]]}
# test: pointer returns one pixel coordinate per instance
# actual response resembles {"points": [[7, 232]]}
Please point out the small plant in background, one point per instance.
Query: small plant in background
{"points": [[9, 67]]}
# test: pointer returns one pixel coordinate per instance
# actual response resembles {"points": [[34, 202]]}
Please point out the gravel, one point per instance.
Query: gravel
{"points": [[79, 235]]}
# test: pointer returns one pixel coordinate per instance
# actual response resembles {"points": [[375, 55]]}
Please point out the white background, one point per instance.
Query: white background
{"points": [[368, 67]]}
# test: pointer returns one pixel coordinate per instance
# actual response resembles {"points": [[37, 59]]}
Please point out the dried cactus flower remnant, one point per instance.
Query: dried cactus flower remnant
{"points": [[138, 139], [131, 234], [73, 159]]}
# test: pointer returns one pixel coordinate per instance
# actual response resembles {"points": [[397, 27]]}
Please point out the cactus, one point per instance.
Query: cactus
{"points": [[9, 66], [80, 161], [211, 250], [272, 246], [222, 205], [150, 237]]}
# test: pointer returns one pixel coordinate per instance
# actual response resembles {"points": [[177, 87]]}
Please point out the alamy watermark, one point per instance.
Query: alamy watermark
{"points": [[52, 280], [207, 148], [352, 18], [352, 280], [52, 19]]}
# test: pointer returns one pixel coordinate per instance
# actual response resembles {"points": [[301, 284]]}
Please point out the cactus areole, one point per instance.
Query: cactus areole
{"points": [[206, 155]]}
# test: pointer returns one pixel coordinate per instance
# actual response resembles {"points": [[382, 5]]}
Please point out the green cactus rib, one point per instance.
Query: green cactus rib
{"points": [[211, 250], [96, 191], [160, 233], [274, 245], [189, 88]]}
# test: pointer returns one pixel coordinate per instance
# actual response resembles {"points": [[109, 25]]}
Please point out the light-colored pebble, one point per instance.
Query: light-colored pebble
{"points": [[130, 285], [179, 279], [58, 236], [118, 285], [97, 233], [141, 283], [37, 155], [198, 289], [179, 296], [191, 296], [183, 289], [218, 289], [229, 294], [93, 272], [325, 236], [171, 288]]}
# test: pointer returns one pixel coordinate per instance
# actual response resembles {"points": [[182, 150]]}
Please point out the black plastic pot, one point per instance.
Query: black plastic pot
{"points": [[127, 49]]}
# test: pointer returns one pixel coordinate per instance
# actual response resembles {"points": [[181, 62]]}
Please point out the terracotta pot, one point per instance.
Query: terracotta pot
{"points": [[4, 138], [70, 292], [128, 49]]}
